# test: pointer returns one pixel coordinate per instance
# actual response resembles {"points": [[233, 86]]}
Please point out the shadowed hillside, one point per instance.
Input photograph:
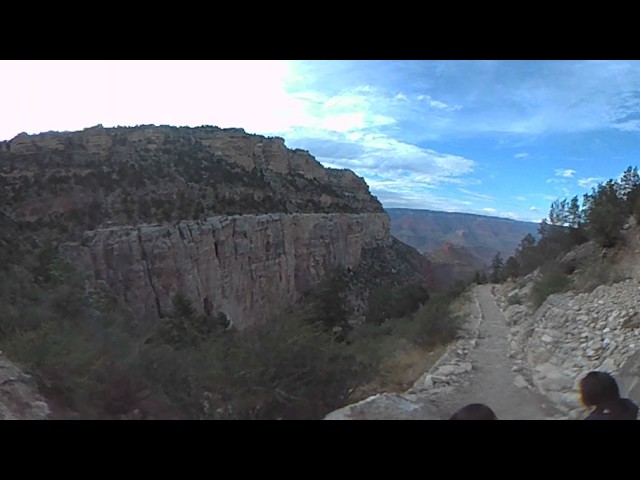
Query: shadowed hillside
{"points": [[482, 236], [451, 263]]}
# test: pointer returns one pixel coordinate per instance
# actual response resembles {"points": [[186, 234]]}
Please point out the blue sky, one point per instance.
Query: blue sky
{"points": [[501, 138]]}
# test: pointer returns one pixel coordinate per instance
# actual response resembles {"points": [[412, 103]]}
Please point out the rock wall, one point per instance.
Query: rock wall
{"points": [[247, 266]]}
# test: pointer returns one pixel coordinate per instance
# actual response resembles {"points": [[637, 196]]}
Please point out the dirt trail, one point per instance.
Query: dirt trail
{"points": [[493, 380]]}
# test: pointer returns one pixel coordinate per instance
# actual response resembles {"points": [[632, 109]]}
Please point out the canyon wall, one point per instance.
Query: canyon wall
{"points": [[247, 266]]}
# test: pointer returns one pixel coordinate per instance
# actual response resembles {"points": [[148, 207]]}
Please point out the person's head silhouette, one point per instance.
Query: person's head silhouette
{"points": [[599, 391], [474, 411]]}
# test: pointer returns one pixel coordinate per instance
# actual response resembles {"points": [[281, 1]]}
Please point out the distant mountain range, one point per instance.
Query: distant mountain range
{"points": [[458, 244]]}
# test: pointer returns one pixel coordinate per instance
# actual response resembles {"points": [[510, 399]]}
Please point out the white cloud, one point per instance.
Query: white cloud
{"points": [[476, 195], [534, 209], [489, 210], [521, 155], [351, 111], [522, 199], [376, 155], [628, 126], [590, 182], [344, 122], [438, 104], [566, 172]]}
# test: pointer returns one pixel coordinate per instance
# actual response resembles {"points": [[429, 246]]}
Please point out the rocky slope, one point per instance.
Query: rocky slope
{"points": [[593, 326], [573, 333], [19, 398]]}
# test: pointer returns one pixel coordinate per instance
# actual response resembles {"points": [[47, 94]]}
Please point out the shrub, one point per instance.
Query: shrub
{"points": [[388, 301], [287, 369], [185, 327], [432, 324], [553, 280]]}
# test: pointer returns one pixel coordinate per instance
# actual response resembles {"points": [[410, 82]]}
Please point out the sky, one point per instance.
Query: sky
{"points": [[501, 138]]}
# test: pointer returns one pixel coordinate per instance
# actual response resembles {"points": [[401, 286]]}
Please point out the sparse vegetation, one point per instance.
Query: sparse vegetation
{"points": [[599, 220], [93, 360], [553, 280], [394, 301]]}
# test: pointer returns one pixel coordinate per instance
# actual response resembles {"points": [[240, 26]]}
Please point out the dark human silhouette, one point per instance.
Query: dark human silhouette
{"points": [[474, 411], [599, 391]]}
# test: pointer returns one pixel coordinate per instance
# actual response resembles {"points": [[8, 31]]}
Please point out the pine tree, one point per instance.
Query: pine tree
{"points": [[605, 214], [496, 268]]}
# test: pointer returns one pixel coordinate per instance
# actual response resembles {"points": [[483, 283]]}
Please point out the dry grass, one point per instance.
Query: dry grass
{"points": [[399, 372]]}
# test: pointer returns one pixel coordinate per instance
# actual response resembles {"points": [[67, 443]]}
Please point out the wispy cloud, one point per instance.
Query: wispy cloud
{"points": [[590, 182], [438, 104], [531, 97], [565, 172], [521, 155], [476, 195]]}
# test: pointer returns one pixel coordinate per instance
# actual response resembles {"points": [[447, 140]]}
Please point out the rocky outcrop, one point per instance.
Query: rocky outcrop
{"points": [[573, 333], [152, 173], [19, 398], [246, 266], [386, 406]]}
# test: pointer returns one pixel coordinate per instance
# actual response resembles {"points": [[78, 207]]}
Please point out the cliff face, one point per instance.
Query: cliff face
{"points": [[147, 174], [247, 266], [235, 221]]}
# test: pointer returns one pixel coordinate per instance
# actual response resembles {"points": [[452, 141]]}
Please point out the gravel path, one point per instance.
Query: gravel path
{"points": [[477, 368], [492, 379]]}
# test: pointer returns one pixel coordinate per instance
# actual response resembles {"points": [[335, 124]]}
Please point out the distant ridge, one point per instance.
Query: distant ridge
{"points": [[483, 236], [419, 211]]}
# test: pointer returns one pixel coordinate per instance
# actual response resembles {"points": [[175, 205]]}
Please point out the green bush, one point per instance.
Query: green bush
{"points": [[287, 369], [432, 324], [553, 280], [391, 301]]}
